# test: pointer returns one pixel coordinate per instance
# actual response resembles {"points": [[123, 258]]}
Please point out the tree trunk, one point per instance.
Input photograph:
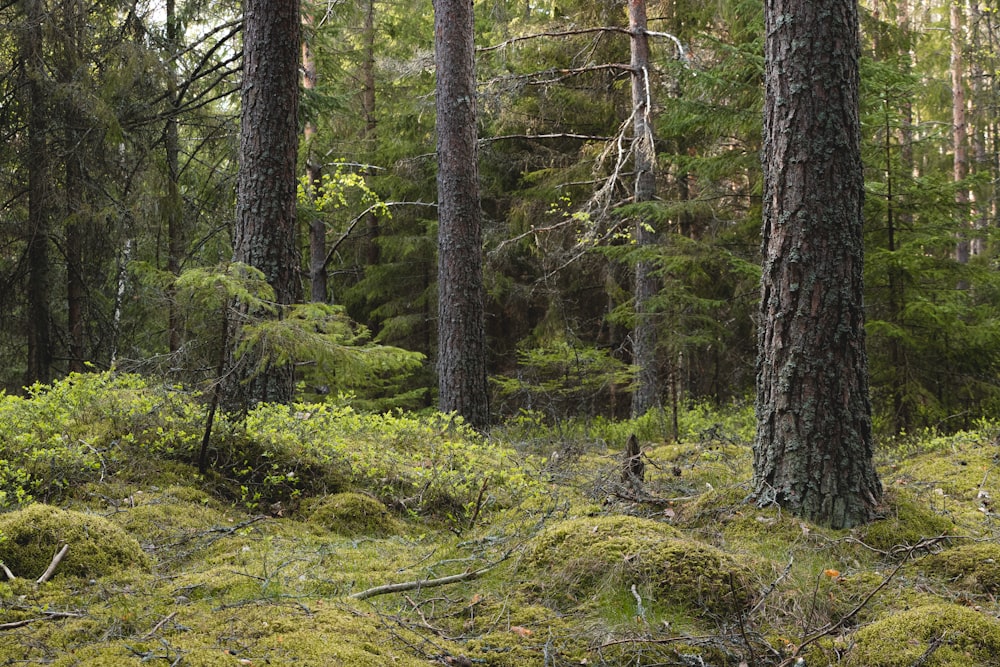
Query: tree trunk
{"points": [[647, 392], [960, 153], [372, 230], [318, 283], [39, 363], [173, 207], [265, 235], [813, 450], [461, 315]]}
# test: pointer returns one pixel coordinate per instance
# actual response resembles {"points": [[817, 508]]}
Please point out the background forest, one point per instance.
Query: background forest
{"points": [[118, 168]]}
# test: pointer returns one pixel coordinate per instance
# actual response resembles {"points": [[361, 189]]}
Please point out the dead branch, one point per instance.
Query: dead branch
{"points": [[53, 565], [425, 583], [420, 583], [49, 616], [156, 628], [7, 572], [554, 33]]}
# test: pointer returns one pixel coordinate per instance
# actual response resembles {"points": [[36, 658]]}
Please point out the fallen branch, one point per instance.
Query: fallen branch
{"points": [[7, 572], [156, 628], [49, 616], [421, 583], [424, 583], [53, 565]]}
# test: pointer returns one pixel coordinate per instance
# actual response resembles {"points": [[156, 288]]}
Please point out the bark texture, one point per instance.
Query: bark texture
{"points": [[813, 451], [647, 392], [461, 317], [265, 235]]}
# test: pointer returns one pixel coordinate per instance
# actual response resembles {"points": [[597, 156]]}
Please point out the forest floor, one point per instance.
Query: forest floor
{"points": [[556, 562]]}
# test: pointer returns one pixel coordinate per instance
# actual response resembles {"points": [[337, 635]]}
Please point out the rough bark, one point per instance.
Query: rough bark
{"points": [[265, 235], [647, 392], [462, 383], [813, 450]]}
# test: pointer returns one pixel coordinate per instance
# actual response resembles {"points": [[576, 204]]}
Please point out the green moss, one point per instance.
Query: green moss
{"points": [[906, 521], [96, 546], [582, 558], [974, 568], [351, 514], [937, 635]]}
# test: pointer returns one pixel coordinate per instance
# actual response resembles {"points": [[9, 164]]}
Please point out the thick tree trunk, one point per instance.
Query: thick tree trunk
{"points": [[813, 451], [647, 392], [39, 363], [265, 235], [461, 313]]}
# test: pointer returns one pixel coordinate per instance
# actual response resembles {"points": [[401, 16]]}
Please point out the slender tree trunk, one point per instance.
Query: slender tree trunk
{"points": [[39, 363], [372, 255], [318, 279], [813, 451], [75, 225], [173, 206], [76, 219], [266, 234], [462, 386], [959, 139], [647, 391]]}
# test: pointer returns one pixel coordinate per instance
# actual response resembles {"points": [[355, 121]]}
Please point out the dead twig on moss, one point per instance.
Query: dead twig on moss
{"points": [[156, 628], [425, 583], [10, 575], [49, 616], [51, 569]]}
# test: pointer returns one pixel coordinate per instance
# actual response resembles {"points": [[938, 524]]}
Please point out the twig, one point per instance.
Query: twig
{"points": [[479, 503], [7, 572], [53, 565], [166, 619], [424, 583], [49, 616], [743, 630], [772, 586]]}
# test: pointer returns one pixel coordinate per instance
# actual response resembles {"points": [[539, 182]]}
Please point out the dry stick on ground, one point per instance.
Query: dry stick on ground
{"points": [[425, 583], [49, 616], [53, 565], [156, 628], [7, 572]]}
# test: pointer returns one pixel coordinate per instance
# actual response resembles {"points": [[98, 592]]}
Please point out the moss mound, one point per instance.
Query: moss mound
{"points": [[906, 522], [936, 635], [96, 546], [972, 567], [600, 555], [352, 514]]}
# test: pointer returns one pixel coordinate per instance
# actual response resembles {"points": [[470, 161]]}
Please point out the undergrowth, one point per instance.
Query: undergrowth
{"points": [[326, 536]]}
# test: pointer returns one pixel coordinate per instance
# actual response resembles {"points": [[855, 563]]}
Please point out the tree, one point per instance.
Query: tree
{"points": [[39, 282], [461, 315], [813, 450], [647, 392], [266, 235]]}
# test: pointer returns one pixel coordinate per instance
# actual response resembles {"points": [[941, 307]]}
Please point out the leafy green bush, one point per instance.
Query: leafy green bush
{"points": [[89, 427]]}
